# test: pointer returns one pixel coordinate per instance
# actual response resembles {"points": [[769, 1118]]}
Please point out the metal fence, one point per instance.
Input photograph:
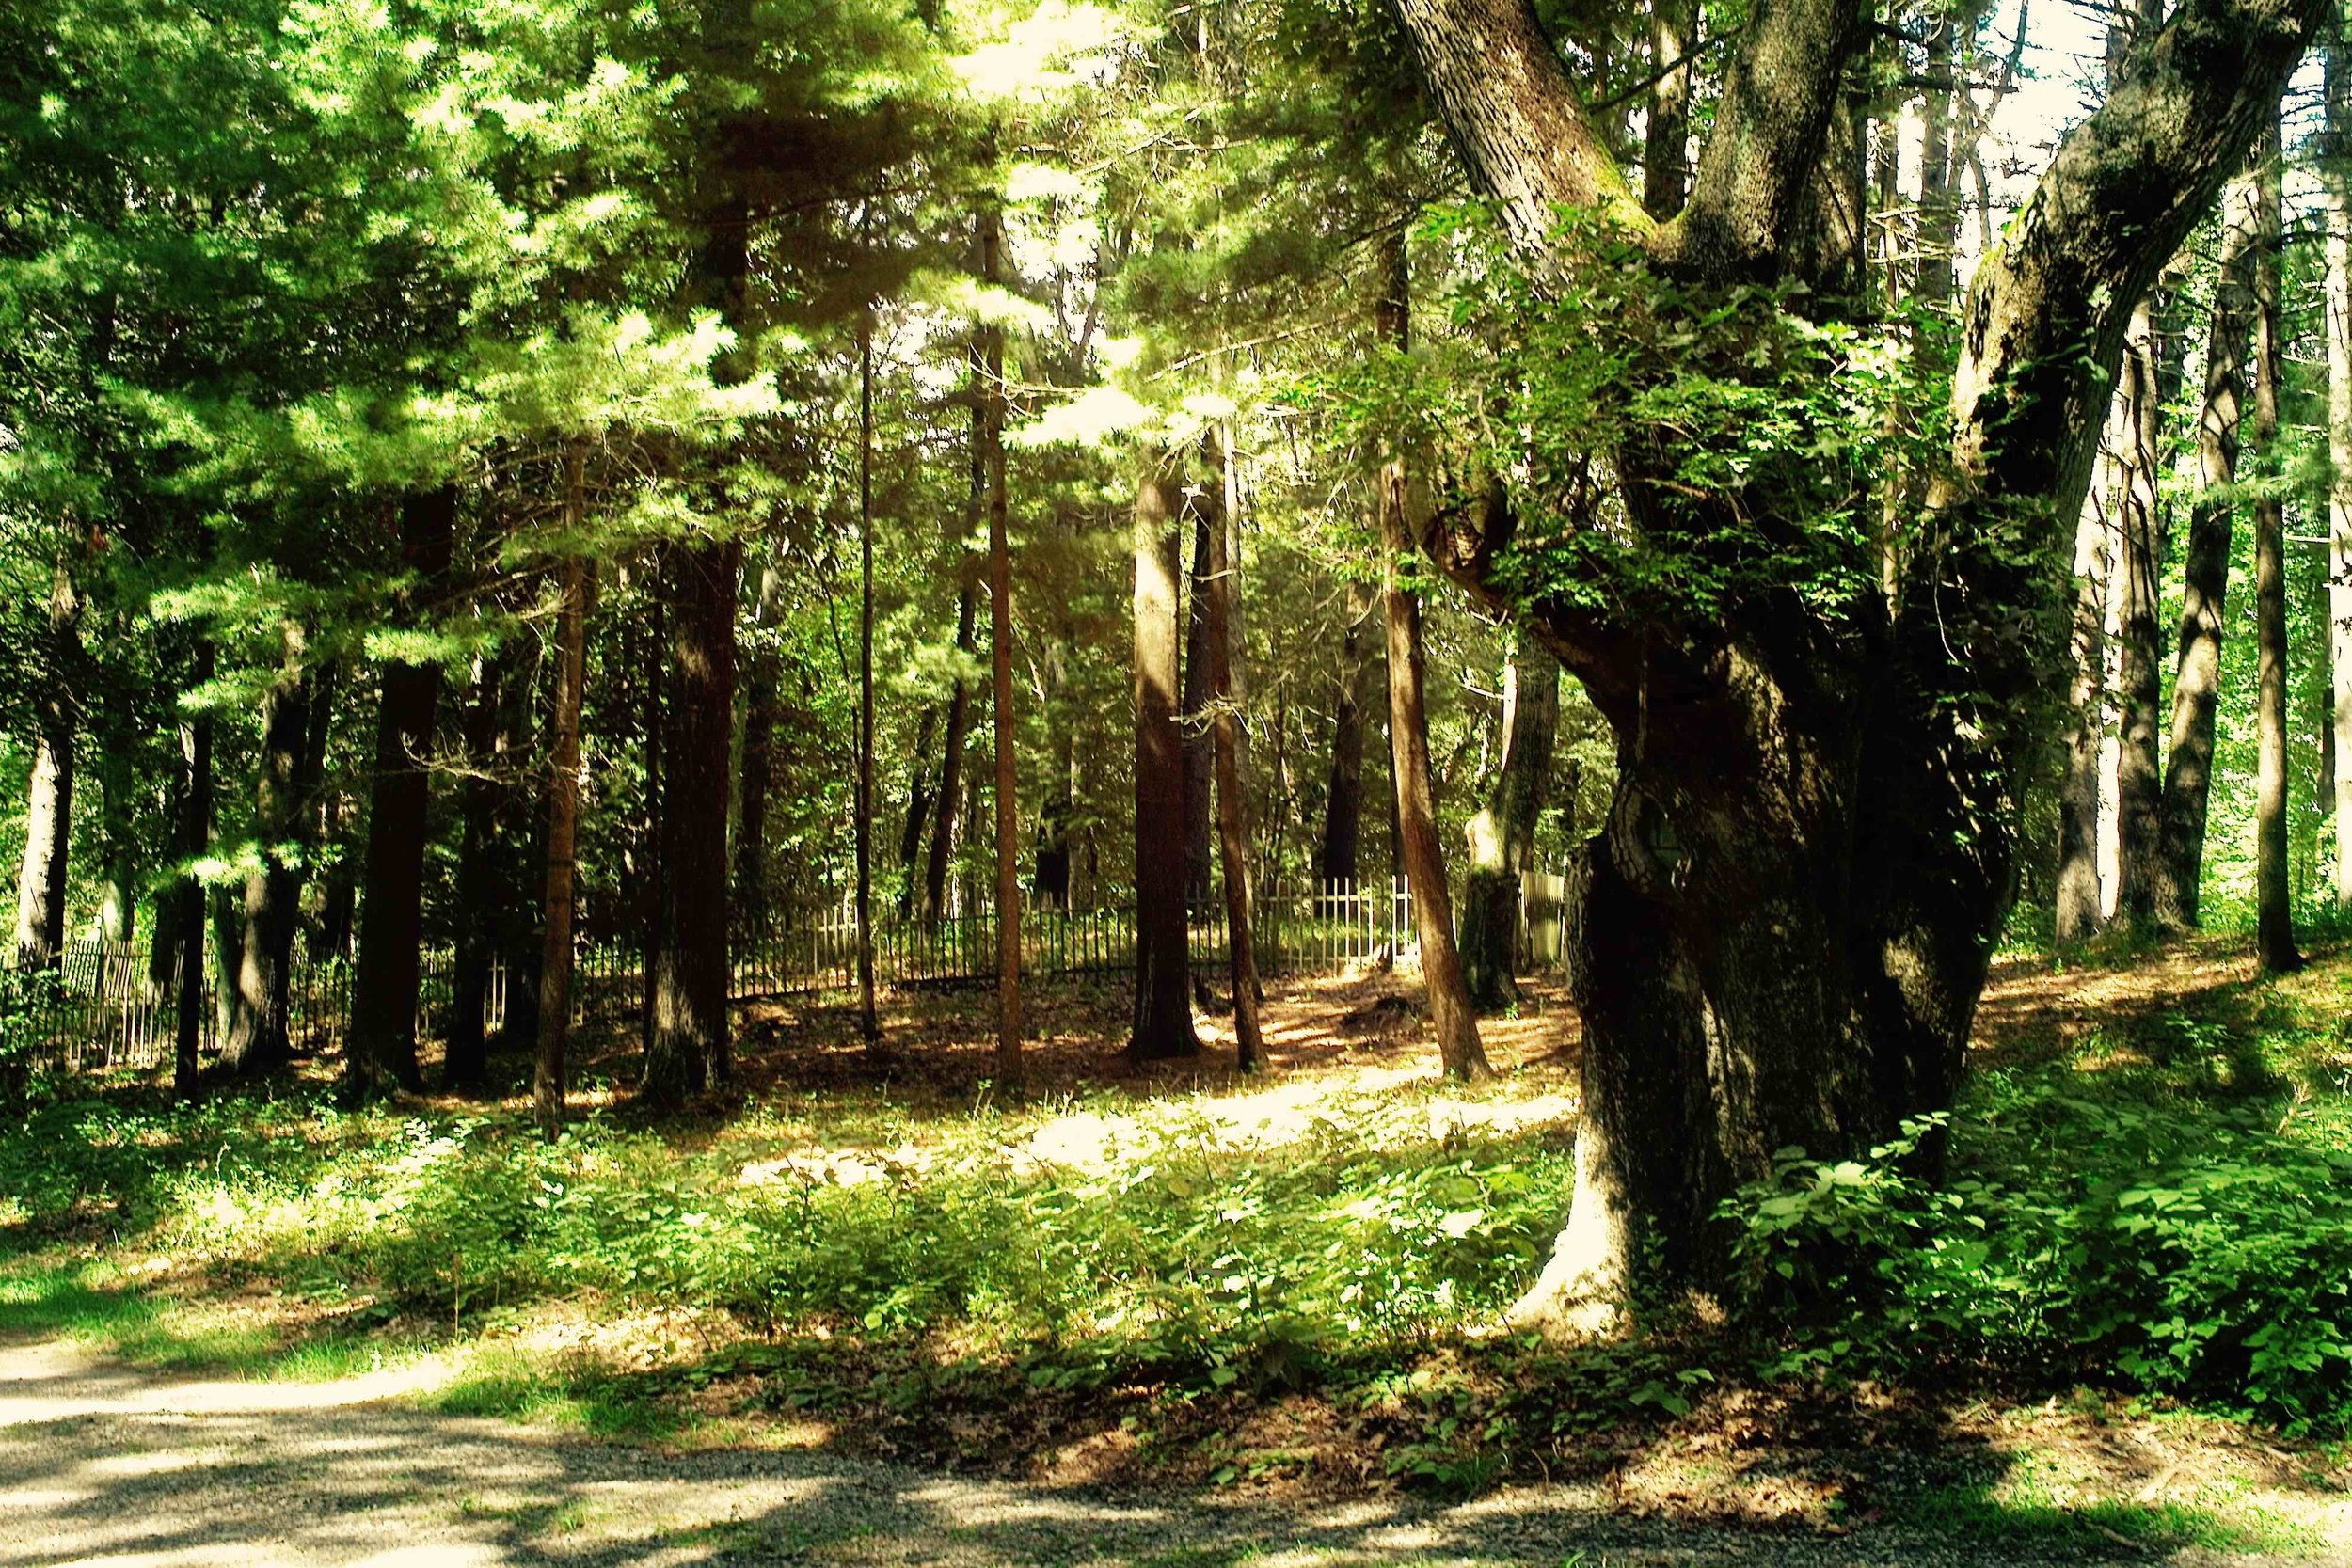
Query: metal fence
{"points": [[102, 1007]]}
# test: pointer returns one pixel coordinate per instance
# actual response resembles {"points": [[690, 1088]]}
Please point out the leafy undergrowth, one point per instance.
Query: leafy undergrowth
{"points": [[2122, 1316]]}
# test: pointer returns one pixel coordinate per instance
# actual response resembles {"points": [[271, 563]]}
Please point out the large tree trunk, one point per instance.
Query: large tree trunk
{"points": [[2274, 906], [382, 1049], [1503, 835], [1163, 1018], [2205, 568], [40, 884], [552, 1014], [1784, 924], [2336, 175], [687, 1052], [1450, 1006], [1344, 794], [2139, 595], [2079, 903], [257, 1039]]}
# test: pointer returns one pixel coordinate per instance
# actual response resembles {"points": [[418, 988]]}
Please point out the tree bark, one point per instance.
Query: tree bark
{"points": [[2273, 895], [553, 1012], [382, 1049], [687, 1052], [1049, 878], [1163, 1018], [40, 884], [2205, 568], [1450, 1006], [1503, 835]]}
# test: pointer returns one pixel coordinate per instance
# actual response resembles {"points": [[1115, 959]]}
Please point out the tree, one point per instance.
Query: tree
{"points": [[1780, 938], [1503, 833], [2336, 176], [1231, 812], [554, 989], [1163, 1017], [40, 885], [1450, 1007], [2272, 896], [2206, 566], [381, 1050]]}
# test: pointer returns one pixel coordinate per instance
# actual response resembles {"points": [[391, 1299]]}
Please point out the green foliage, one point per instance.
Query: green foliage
{"points": [[2190, 1232]]}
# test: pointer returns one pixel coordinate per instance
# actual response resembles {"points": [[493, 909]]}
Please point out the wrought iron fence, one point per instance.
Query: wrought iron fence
{"points": [[103, 1006]]}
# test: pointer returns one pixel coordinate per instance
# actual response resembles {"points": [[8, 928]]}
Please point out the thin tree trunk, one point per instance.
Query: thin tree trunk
{"points": [[2273, 897], [687, 1052], [918, 810], [1344, 793], [192, 834], [2206, 569], [465, 1062], [1503, 835], [2336, 175], [1199, 747], [1450, 1009], [118, 892], [518, 855], [554, 1011], [868, 1024], [381, 1054], [959, 724], [1233, 826], [1008, 1065], [2078, 902], [40, 885], [1163, 1018], [763, 709], [1049, 879]]}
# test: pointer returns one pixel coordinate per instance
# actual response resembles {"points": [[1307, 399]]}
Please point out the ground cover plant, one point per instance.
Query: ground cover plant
{"points": [[1302, 1287]]}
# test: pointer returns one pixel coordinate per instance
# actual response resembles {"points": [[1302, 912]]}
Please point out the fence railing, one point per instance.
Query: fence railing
{"points": [[101, 1006]]}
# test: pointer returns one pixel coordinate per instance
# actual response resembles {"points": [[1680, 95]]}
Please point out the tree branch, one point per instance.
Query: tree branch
{"points": [[1507, 101]]}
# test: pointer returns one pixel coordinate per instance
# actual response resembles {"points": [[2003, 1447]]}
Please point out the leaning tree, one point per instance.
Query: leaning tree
{"points": [[1827, 658]]}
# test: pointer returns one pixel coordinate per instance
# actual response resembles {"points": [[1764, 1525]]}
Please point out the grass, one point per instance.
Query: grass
{"points": [[1250, 1288]]}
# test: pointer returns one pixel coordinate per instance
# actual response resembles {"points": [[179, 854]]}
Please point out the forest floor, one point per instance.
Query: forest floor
{"points": [[191, 1372]]}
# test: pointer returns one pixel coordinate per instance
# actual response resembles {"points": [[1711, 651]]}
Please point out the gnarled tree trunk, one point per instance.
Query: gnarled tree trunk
{"points": [[1783, 925]]}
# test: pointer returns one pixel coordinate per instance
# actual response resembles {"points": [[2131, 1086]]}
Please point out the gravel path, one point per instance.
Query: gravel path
{"points": [[106, 1463]]}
